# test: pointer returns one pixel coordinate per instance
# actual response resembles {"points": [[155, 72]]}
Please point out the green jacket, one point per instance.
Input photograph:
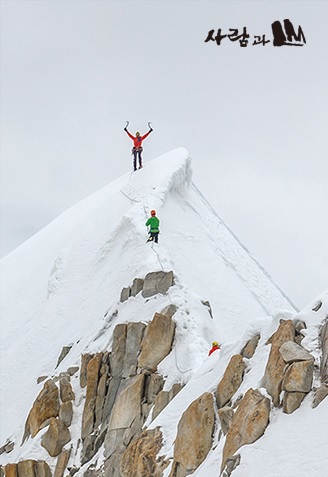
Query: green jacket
{"points": [[153, 223]]}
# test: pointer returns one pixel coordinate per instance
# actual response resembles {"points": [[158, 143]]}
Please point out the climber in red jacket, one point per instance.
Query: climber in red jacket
{"points": [[215, 346], [137, 146]]}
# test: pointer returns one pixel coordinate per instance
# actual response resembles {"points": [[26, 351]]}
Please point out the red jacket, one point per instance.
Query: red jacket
{"points": [[213, 349], [137, 141]]}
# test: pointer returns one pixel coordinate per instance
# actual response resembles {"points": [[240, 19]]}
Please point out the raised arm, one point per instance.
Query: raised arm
{"points": [[129, 134]]}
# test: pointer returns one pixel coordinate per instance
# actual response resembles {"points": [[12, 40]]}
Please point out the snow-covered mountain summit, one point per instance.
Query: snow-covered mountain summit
{"points": [[81, 283], [59, 283]]}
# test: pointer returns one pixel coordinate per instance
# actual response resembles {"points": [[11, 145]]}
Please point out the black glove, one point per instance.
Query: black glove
{"points": [[125, 130], [150, 130]]}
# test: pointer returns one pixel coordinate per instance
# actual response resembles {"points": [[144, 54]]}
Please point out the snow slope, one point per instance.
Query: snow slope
{"points": [[62, 288]]}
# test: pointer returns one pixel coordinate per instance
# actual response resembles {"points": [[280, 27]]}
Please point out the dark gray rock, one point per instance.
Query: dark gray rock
{"points": [[63, 354]]}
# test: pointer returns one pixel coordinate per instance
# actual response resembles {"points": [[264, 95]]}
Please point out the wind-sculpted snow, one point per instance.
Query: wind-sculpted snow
{"points": [[60, 283]]}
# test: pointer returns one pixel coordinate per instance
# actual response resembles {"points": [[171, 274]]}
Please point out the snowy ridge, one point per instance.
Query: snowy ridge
{"points": [[63, 287]]}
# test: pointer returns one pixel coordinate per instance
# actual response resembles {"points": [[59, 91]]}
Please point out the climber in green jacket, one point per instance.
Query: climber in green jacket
{"points": [[153, 224]]}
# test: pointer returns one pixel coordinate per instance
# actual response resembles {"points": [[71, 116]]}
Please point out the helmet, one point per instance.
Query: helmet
{"points": [[153, 212], [215, 343]]}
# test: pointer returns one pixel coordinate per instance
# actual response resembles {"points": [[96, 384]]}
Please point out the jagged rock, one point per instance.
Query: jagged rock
{"points": [[161, 401], [11, 470], [7, 448], [231, 465], [26, 468], [250, 347], [164, 397], [134, 335], [157, 282], [114, 442], [231, 380], [56, 437], [42, 469], [2, 471], [292, 401], [73, 470], [63, 354], [324, 348], [225, 416], [41, 379], [44, 407], [169, 310], [137, 286], [298, 377], [248, 423], [160, 331], [317, 306], [118, 350], [85, 358], [91, 445], [113, 387], [195, 430], [154, 384], [88, 417], [274, 370], [291, 352], [208, 306], [320, 394], [127, 406], [101, 393], [112, 467], [62, 462], [140, 458], [125, 294], [66, 413], [65, 388], [72, 370]]}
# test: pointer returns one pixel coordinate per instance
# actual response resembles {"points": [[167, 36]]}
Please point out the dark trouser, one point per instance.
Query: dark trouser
{"points": [[136, 151], [153, 236]]}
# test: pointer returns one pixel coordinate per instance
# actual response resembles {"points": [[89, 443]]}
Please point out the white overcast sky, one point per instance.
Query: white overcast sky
{"points": [[254, 119]]}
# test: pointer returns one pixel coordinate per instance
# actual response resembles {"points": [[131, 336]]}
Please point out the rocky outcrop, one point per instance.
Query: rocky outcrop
{"points": [[194, 436], [62, 462], [297, 375], [164, 397], [44, 407], [140, 458], [65, 388], [88, 417], [28, 468], [7, 447], [153, 283], [225, 416], [157, 342], [292, 352], [63, 354], [56, 437], [231, 380], [157, 282], [275, 367], [297, 383], [248, 423], [66, 413], [250, 347]]}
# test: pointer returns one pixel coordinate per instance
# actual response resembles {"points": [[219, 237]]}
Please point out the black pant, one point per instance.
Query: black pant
{"points": [[136, 151], [153, 236]]}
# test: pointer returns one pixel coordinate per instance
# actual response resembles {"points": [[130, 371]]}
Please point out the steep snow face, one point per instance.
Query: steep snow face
{"points": [[59, 284]]}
